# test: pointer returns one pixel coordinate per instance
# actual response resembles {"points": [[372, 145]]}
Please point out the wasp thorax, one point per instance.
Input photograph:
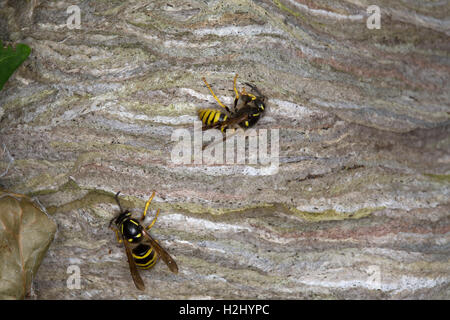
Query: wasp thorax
{"points": [[131, 230]]}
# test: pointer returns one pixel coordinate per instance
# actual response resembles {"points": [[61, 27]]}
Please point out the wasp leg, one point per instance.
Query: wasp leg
{"points": [[234, 86], [215, 97], [145, 212], [154, 220], [119, 239], [248, 94], [147, 205]]}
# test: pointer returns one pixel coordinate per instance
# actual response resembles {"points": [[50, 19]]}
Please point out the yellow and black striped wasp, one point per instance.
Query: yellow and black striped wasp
{"points": [[247, 110], [142, 250]]}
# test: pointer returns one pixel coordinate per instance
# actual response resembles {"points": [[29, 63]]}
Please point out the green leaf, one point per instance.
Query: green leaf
{"points": [[11, 59]]}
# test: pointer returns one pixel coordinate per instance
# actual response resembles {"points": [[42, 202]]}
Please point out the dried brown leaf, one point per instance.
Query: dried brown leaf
{"points": [[25, 235]]}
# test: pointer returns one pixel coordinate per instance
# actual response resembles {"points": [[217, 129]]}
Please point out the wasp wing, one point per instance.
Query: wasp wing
{"points": [[139, 283], [162, 253]]}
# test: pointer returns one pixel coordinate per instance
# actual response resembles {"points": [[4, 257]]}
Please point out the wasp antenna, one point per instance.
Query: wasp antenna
{"points": [[255, 88], [118, 202], [111, 221]]}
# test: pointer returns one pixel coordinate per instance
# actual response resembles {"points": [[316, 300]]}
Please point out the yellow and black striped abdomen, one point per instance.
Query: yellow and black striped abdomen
{"points": [[211, 116], [144, 256]]}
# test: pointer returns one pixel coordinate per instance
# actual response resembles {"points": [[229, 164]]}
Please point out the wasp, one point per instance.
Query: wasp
{"points": [[142, 250], [246, 112]]}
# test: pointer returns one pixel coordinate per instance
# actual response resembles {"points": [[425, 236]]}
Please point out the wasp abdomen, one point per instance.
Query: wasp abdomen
{"points": [[144, 256], [211, 116]]}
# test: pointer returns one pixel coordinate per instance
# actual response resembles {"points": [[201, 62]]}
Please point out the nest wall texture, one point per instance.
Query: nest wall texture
{"points": [[359, 206]]}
